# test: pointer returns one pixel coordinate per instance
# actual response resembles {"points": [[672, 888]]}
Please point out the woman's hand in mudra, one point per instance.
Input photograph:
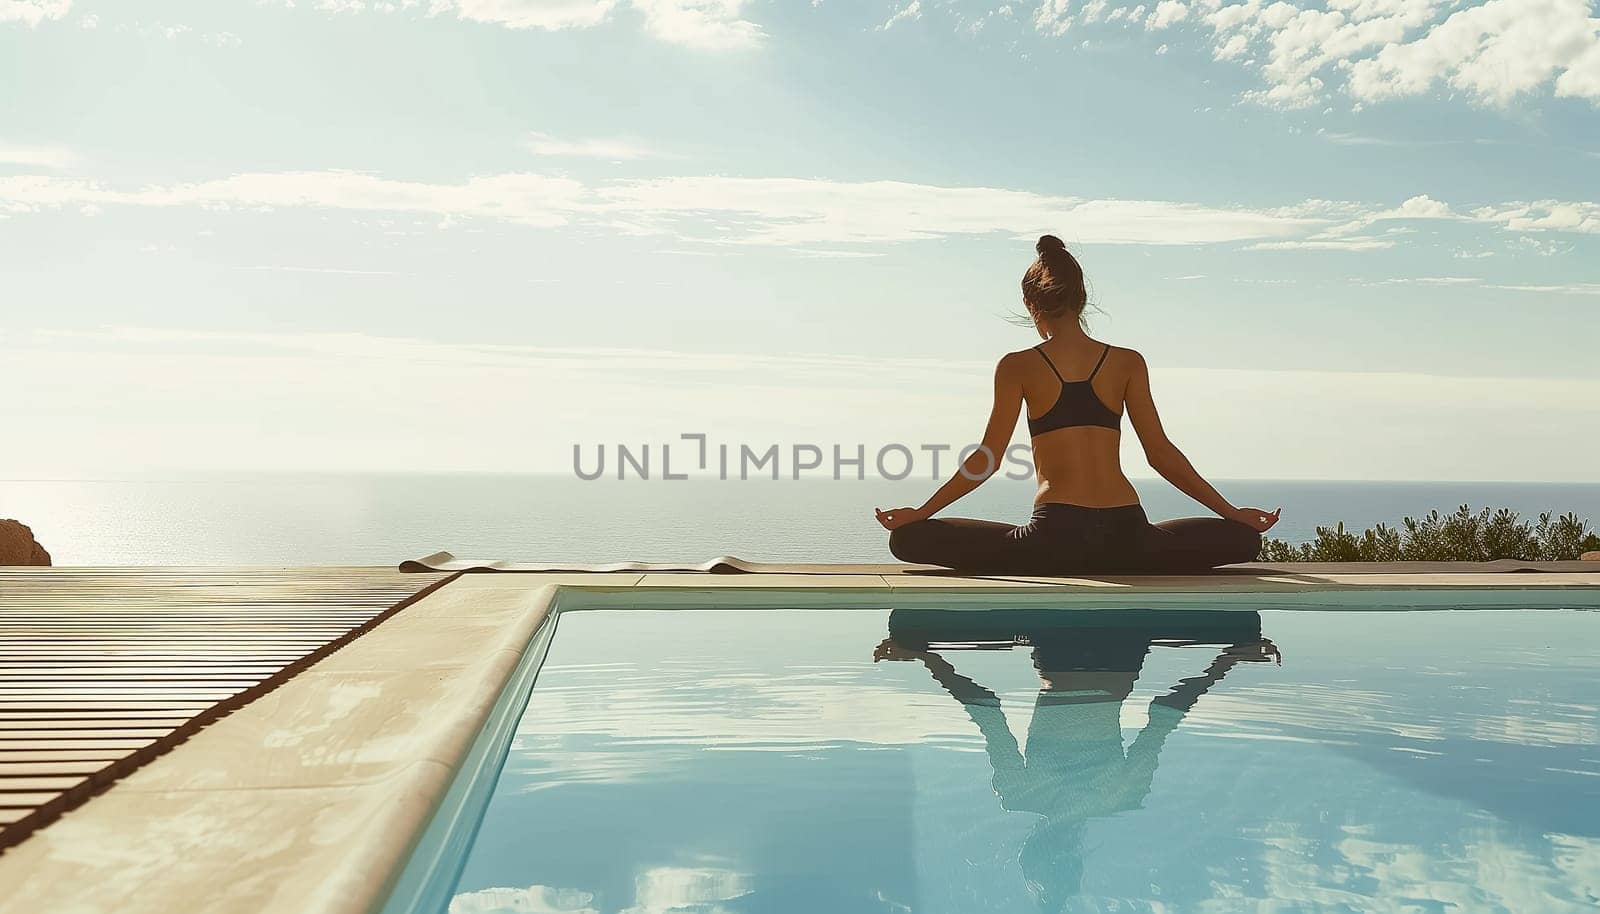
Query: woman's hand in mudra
{"points": [[899, 517], [889, 649], [1256, 519]]}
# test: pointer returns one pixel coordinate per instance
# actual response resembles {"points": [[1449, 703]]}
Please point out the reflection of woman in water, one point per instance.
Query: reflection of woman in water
{"points": [[1074, 767]]}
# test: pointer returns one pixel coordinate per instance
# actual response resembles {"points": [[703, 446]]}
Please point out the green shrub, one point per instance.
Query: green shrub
{"points": [[1459, 537]]}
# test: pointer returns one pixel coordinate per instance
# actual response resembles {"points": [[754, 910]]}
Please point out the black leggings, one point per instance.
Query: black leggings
{"points": [[1065, 539]]}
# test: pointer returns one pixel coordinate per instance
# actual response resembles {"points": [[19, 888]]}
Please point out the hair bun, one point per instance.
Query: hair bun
{"points": [[1050, 244]]}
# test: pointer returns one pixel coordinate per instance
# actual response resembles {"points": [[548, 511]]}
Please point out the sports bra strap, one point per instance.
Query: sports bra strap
{"points": [[1047, 361], [1103, 354]]}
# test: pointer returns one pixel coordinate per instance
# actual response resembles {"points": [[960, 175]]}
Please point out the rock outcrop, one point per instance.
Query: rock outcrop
{"points": [[18, 547], [1590, 557]]}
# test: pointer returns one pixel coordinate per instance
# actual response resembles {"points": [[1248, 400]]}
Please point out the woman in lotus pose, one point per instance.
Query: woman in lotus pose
{"points": [[1086, 515]]}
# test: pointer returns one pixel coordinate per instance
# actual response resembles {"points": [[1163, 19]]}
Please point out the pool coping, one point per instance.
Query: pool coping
{"points": [[313, 797]]}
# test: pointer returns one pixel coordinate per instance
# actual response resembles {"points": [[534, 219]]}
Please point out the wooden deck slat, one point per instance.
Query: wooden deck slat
{"points": [[78, 641], [26, 800], [124, 684], [200, 672], [100, 754], [153, 631], [106, 704], [47, 769], [64, 735], [114, 701], [53, 744], [57, 784], [104, 669], [124, 654], [82, 714]]}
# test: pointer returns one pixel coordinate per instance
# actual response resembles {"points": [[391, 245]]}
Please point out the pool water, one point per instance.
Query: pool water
{"points": [[929, 760]]}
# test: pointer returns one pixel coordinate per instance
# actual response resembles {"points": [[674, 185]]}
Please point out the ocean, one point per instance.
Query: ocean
{"points": [[271, 519]]}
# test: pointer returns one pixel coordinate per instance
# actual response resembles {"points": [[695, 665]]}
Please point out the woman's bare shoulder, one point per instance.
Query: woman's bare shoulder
{"points": [[1013, 360], [1124, 356]]}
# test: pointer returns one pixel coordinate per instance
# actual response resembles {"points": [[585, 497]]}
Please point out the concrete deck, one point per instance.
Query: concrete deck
{"points": [[311, 798]]}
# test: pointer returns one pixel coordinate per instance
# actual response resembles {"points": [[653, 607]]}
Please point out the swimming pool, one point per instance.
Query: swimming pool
{"points": [[1335, 752]]}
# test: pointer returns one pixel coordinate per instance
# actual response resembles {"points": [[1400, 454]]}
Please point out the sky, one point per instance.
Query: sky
{"points": [[1355, 239]]}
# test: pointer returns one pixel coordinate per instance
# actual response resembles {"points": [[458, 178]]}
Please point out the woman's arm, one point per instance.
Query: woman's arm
{"points": [[1167, 710], [981, 704], [1174, 467], [981, 464]]}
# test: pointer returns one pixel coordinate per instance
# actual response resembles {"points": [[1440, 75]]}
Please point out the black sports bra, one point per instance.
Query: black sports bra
{"points": [[1076, 405]]}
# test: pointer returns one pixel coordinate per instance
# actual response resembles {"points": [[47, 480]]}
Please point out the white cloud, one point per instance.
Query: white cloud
{"points": [[713, 25], [1431, 281], [535, 899], [1303, 43], [1364, 243], [549, 15], [37, 156], [1053, 17], [1356, 139], [1542, 247], [1572, 288], [1344, 236], [1582, 77], [33, 12], [1234, 48], [1568, 288], [798, 213], [1494, 52], [911, 12], [772, 211], [524, 198], [1421, 206], [676, 889], [1544, 216], [614, 150], [1166, 13], [1372, 50]]}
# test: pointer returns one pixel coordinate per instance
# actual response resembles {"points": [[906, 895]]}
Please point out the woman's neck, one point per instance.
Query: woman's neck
{"points": [[1063, 330]]}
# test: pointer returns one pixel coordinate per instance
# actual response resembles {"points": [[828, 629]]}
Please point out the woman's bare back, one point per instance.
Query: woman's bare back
{"points": [[1079, 465]]}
